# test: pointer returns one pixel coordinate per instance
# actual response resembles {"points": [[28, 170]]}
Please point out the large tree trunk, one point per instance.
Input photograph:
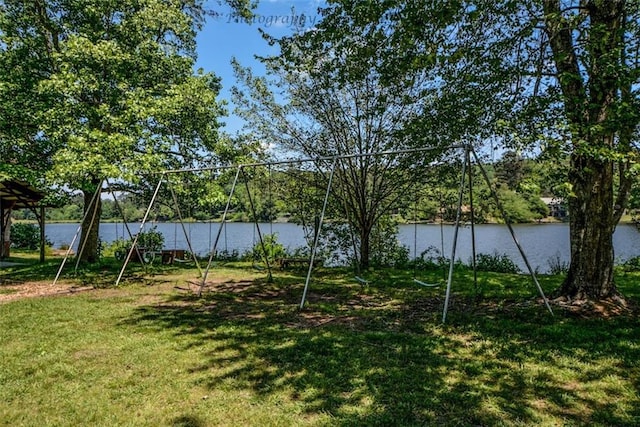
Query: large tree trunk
{"points": [[365, 249], [89, 240], [591, 230], [591, 90]]}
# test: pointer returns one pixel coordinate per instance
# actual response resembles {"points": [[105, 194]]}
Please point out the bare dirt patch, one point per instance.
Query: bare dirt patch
{"points": [[14, 291], [603, 309]]}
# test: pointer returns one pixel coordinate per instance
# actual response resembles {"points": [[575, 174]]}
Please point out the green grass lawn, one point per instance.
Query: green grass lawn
{"points": [[150, 353]]}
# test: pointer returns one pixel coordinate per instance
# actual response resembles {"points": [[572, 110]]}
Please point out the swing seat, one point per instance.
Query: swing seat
{"points": [[428, 285]]}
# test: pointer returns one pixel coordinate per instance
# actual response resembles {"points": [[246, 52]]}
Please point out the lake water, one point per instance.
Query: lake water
{"points": [[541, 242]]}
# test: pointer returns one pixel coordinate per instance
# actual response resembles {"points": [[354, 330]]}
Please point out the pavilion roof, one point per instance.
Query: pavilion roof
{"points": [[23, 194]]}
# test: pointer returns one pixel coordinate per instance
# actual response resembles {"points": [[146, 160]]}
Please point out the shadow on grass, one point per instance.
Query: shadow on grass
{"points": [[100, 274], [187, 421], [368, 359]]}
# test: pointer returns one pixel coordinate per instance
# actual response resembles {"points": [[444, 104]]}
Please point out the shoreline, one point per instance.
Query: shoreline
{"points": [[627, 220]]}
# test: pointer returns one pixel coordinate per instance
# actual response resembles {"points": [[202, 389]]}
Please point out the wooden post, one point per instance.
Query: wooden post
{"points": [[42, 235], [5, 224], [2, 254]]}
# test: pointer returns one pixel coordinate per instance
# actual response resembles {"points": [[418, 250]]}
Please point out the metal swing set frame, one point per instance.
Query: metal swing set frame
{"points": [[468, 154], [133, 237]]}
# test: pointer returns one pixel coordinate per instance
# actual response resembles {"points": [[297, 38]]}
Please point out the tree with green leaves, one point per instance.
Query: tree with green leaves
{"points": [[560, 75], [24, 154], [121, 96], [595, 50], [308, 107]]}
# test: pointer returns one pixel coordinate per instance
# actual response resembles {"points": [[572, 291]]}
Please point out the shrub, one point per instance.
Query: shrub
{"points": [[632, 264], [26, 236], [557, 265], [386, 250], [226, 255], [429, 259], [272, 249], [498, 263], [117, 249], [152, 240]]}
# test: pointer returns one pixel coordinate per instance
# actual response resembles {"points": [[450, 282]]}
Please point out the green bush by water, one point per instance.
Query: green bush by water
{"points": [[497, 263], [151, 240], [26, 236]]}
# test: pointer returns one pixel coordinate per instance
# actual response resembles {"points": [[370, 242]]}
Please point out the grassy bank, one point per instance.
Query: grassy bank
{"points": [[150, 353]]}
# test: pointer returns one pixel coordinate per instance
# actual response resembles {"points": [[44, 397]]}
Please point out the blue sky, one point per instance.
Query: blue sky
{"points": [[227, 36]]}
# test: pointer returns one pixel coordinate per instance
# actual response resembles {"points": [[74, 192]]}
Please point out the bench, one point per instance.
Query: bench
{"points": [[171, 255], [298, 262]]}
